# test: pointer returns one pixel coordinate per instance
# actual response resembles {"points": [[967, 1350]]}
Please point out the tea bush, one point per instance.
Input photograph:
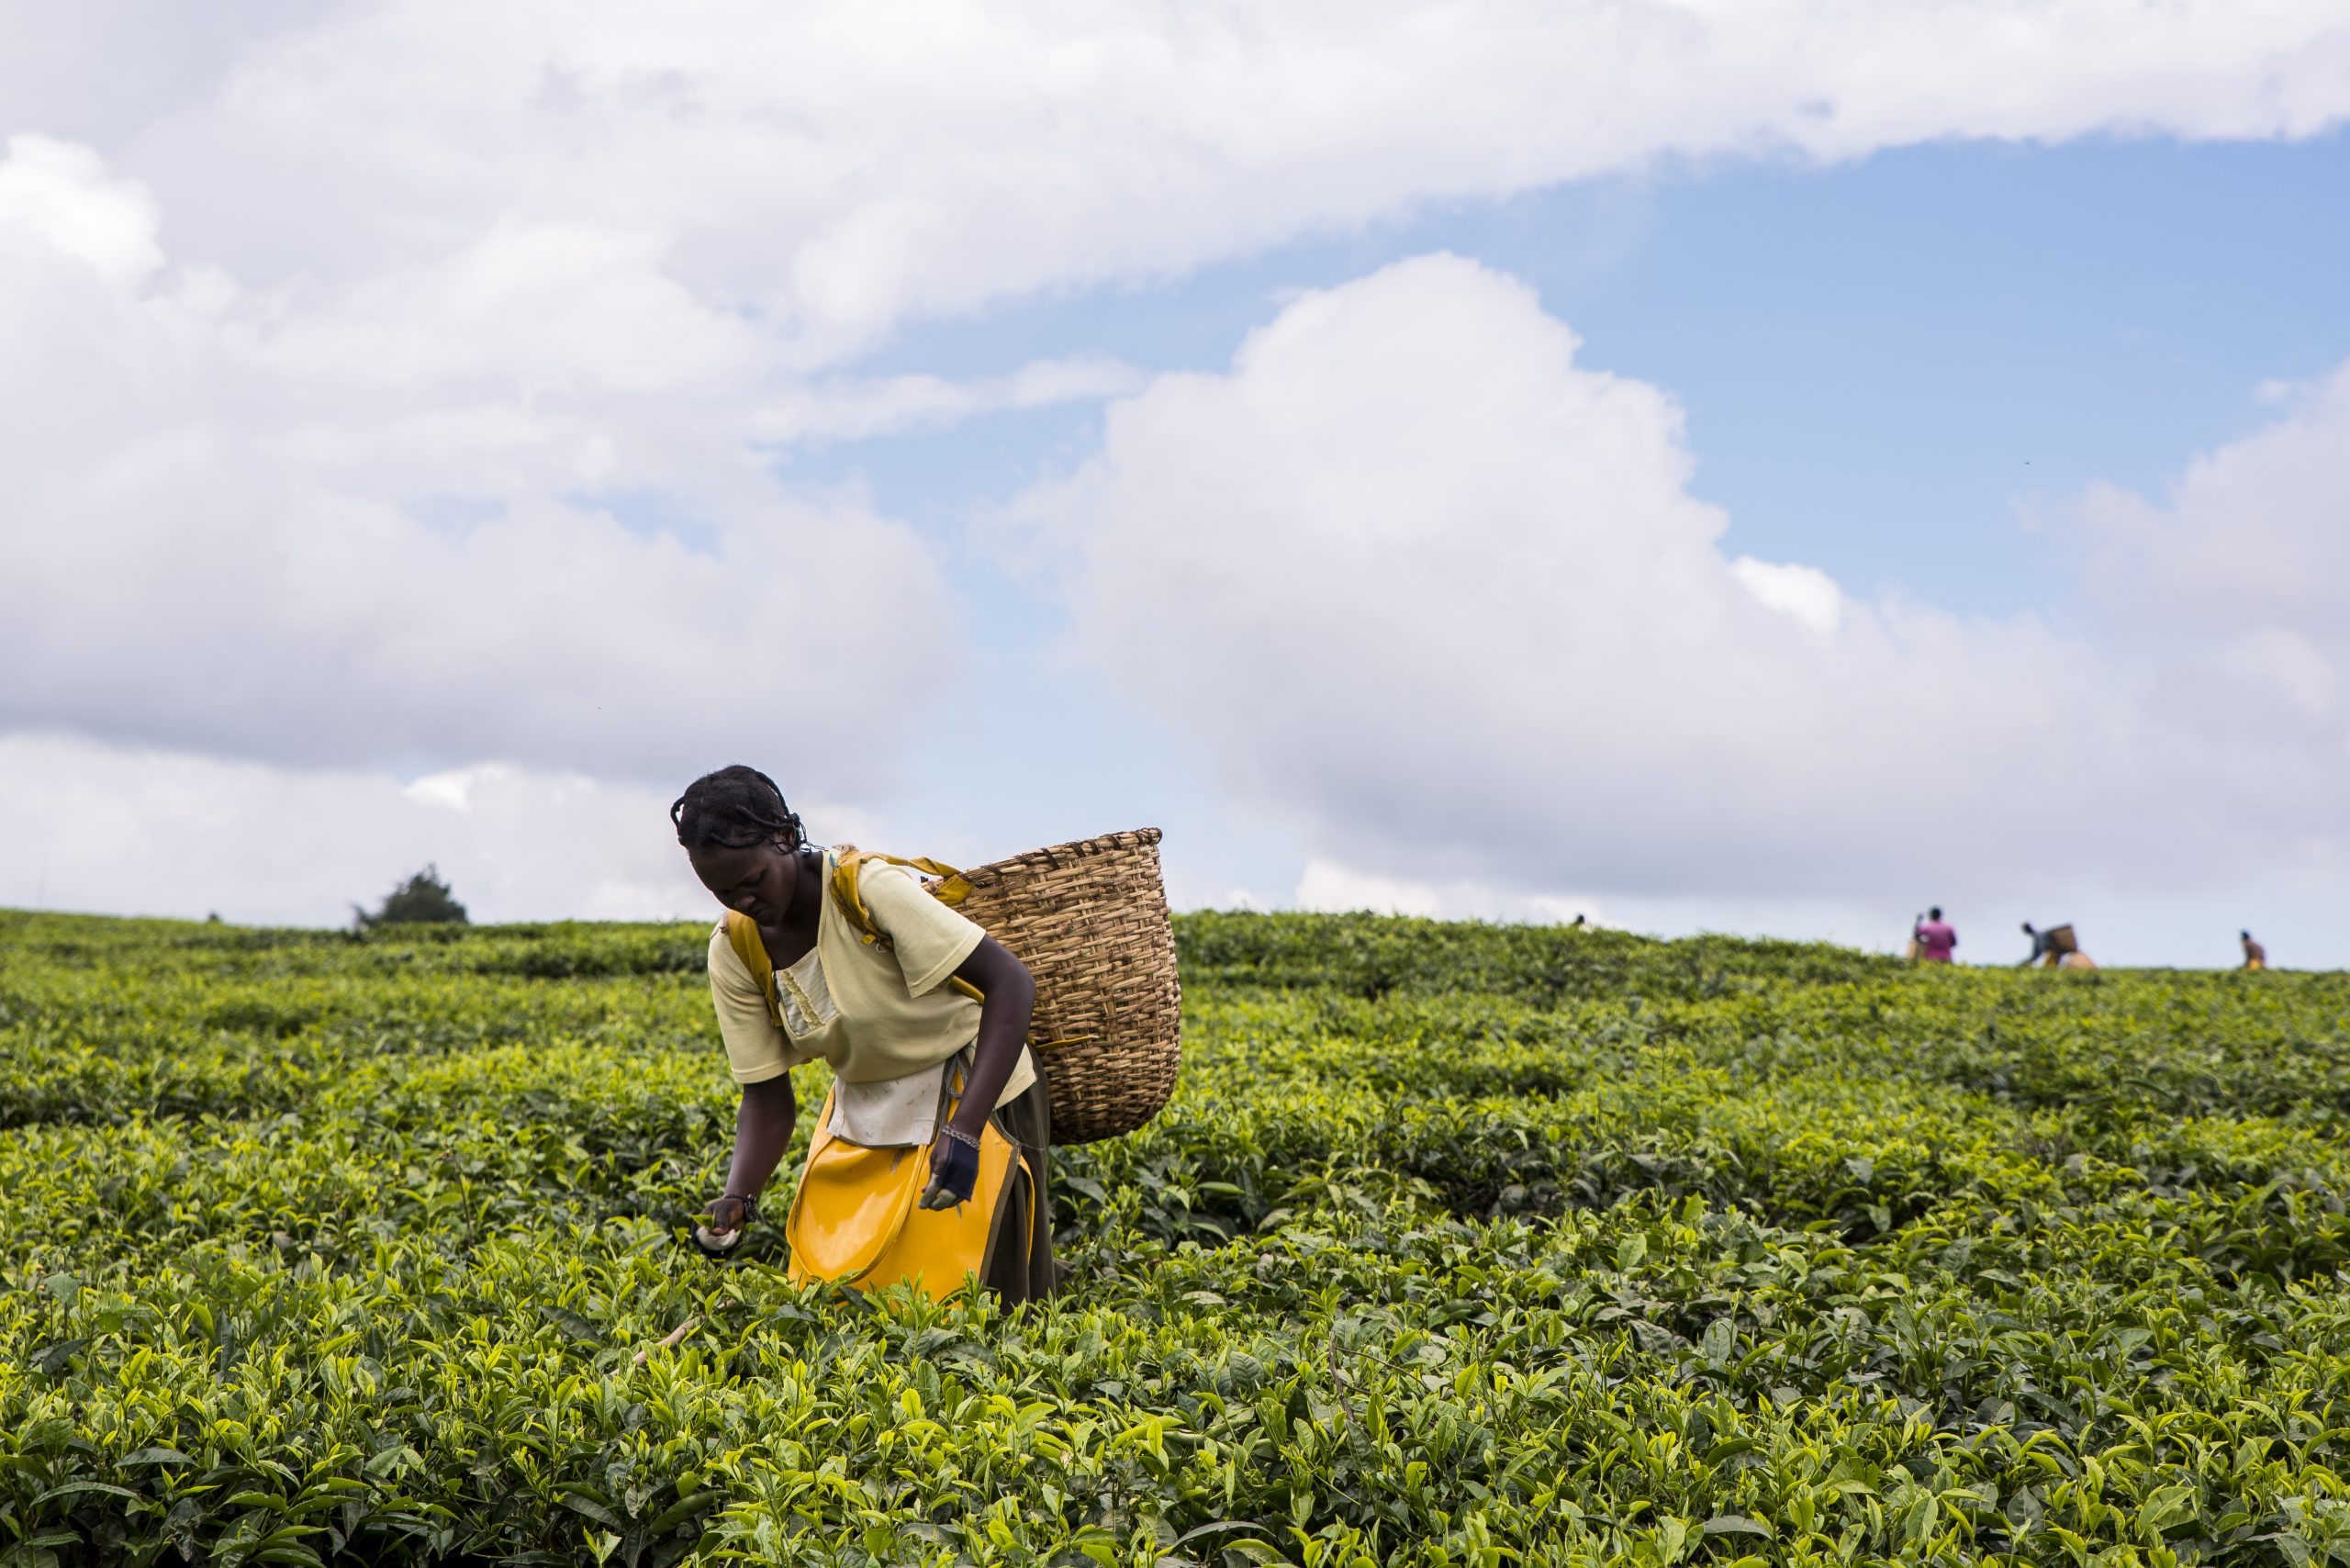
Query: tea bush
{"points": [[1459, 1245]]}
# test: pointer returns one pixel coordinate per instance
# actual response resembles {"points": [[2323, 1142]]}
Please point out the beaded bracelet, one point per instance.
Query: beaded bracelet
{"points": [[959, 1136]]}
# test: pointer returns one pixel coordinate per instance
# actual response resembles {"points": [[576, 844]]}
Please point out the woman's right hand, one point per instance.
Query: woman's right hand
{"points": [[724, 1234], [762, 1129]]}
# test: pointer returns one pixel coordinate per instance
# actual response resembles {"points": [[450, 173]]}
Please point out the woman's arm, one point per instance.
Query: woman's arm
{"points": [[1010, 997], [763, 1127], [1003, 1029]]}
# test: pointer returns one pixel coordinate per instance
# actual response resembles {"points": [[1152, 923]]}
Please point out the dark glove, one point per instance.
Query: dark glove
{"points": [[953, 1172]]}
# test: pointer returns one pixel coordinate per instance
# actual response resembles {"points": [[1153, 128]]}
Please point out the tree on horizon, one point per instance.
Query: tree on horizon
{"points": [[424, 899]]}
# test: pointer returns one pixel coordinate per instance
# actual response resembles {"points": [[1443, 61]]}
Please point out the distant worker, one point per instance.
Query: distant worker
{"points": [[2256, 956], [1934, 937], [2056, 947]]}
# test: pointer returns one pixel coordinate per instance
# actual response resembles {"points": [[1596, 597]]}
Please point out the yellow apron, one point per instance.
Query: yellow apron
{"points": [[858, 1218]]}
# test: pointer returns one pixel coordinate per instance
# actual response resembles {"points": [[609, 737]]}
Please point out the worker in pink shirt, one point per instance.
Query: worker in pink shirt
{"points": [[1935, 938]]}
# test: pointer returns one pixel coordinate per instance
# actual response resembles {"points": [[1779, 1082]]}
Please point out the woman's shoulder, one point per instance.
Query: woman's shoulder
{"points": [[898, 897], [889, 879]]}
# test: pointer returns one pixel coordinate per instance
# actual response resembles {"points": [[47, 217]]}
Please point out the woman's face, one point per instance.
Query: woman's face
{"points": [[759, 880]]}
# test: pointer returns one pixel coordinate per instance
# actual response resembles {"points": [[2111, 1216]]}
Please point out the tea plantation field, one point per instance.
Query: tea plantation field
{"points": [[1459, 1245]]}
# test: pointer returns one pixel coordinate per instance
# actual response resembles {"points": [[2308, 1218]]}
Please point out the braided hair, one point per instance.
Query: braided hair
{"points": [[734, 807]]}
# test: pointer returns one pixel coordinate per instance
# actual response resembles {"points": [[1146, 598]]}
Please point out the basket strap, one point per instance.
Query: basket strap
{"points": [[743, 935], [950, 889]]}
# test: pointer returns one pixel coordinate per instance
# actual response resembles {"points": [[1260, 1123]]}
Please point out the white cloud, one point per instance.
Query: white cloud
{"points": [[829, 171], [285, 542], [1807, 593], [564, 309], [847, 408], [1412, 577], [1327, 885], [144, 830], [138, 831], [2235, 589], [1335, 887], [2253, 537], [61, 195]]}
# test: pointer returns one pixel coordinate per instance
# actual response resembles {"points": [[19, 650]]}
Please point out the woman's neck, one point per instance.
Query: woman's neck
{"points": [[797, 934]]}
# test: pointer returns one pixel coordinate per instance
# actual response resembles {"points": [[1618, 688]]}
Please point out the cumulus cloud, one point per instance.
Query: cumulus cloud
{"points": [[2253, 537], [1329, 886], [1335, 887], [1420, 581], [144, 831], [511, 502], [182, 577], [2234, 588], [828, 177], [851, 407], [344, 540], [61, 194], [1804, 592]]}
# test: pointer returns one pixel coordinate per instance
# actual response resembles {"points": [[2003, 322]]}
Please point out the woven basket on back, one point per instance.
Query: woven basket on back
{"points": [[1089, 921]]}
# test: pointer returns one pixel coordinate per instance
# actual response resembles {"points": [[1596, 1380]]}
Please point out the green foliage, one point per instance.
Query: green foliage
{"points": [[1372, 957], [424, 900], [1458, 1245]]}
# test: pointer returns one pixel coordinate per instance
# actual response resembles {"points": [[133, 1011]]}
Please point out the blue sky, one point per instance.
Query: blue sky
{"points": [[1940, 497]]}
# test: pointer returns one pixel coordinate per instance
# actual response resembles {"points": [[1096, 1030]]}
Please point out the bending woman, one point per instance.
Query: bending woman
{"points": [[881, 1009]]}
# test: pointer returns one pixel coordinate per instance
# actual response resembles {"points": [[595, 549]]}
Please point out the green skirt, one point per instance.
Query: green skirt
{"points": [[1020, 1259]]}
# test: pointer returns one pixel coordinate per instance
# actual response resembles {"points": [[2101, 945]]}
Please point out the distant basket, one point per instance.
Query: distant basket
{"points": [[2061, 938], [1089, 921]]}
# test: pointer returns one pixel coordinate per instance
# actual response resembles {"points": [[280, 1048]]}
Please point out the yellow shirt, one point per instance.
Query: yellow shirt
{"points": [[874, 1013]]}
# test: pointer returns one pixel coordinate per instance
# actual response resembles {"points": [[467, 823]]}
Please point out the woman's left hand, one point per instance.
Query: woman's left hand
{"points": [[953, 1172]]}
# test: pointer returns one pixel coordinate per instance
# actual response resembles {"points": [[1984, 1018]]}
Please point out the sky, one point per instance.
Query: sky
{"points": [[1761, 467]]}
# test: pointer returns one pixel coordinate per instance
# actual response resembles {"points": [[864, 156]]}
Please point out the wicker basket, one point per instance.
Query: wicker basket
{"points": [[1089, 921]]}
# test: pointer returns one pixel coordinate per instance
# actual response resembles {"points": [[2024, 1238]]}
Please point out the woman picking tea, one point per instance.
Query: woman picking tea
{"points": [[927, 1163]]}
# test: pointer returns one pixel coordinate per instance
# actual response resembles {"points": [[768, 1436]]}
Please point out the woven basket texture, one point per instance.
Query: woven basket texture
{"points": [[1090, 920]]}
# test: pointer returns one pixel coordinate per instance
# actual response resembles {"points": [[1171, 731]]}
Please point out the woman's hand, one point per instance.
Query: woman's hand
{"points": [[953, 1172], [729, 1217]]}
